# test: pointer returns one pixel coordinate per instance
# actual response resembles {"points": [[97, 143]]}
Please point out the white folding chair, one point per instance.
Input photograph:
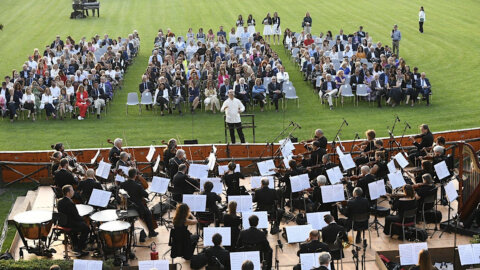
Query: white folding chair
{"points": [[132, 100], [346, 91], [146, 99], [362, 92], [266, 81]]}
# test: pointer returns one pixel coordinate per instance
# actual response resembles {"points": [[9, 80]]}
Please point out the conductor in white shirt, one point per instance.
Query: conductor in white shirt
{"points": [[232, 108]]}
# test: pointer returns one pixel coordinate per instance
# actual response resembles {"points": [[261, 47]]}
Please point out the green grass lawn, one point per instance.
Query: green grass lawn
{"points": [[448, 51]]}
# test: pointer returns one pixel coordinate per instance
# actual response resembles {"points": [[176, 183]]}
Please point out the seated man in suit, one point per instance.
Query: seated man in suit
{"points": [[366, 179], [378, 88], [328, 89], [178, 94], [325, 260], [424, 87], [331, 233], [175, 162], [275, 91], [136, 195], [242, 92], [217, 254], [312, 245], [224, 89], [357, 205], [98, 98], [253, 239], [74, 221], [183, 184], [356, 79], [63, 176], [266, 199], [86, 186]]}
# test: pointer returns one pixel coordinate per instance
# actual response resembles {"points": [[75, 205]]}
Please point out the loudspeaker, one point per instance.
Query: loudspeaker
{"points": [[190, 141]]}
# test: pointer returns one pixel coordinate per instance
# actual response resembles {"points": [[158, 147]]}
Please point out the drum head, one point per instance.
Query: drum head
{"points": [[33, 217], [115, 226], [105, 215], [84, 209]]}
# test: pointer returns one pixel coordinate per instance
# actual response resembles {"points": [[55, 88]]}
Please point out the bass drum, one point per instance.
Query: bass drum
{"points": [[114, 234], [35, 224]]}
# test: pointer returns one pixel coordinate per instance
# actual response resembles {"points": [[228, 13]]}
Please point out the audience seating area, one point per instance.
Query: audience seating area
{"points": [[352, 65], [185, 73], [51, 83]]}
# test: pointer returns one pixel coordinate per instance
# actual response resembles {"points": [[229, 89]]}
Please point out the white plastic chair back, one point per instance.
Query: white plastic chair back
{"points": [[362, 90], [290, 92], [346, 90], [132, 99], [147, 98], [266, 81]]}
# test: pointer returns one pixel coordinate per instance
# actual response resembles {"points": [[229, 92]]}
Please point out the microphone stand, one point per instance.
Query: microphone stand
{"points": [[392, 138], [275, 139], [277, 262], [353, 143], [336, 135], [403, 133]]}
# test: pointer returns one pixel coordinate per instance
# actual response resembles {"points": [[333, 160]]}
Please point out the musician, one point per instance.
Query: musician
{"points": [[56, 157], [424, 261], [136, 197], [425, 189], [183, 184], [86, 186], [114, 153], [59, 147], [437, 156], [317, 137], [122, 161], [183, 243], [357, 205], [326, 164], [367, 147], [230, 219], [232, 180], [325, 259], [366, 178], [314, 160], [256, 239], [64, 176], [174, 163], [331, 232], [312, 245], [266, 199], [292, 171], [318, 200], [426, 141], [380, 168], [406, 202], [247, 265], [169, 153], [217, 254], [212, 200], [74, 221]]}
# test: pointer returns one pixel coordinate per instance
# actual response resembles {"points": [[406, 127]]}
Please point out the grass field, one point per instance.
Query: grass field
{"points": [[448, 51]]}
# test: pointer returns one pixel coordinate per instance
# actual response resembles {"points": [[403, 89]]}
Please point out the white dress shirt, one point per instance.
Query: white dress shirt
{"points": [[55, 92], [421, 15], [28, 98], [232, 108], [282, 77]]}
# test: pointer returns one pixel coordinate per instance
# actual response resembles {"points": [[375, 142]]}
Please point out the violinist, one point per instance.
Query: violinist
{"points": [[317, 137], [368, 147], [292, 171], [169, 152], [114, 153], [326, 164], [315, 159], [64, 176], [379, 169], [183, 183], [212, 200], [365, 179], [406, 202], [266, 199], [426, 141], [56, 157], [425, 189], [176, 161], [357, 205], [60, 148], [316, 197], [122, 161], [427, 167], [437, 156], [86, 186], [232, 180], [136, 200]]}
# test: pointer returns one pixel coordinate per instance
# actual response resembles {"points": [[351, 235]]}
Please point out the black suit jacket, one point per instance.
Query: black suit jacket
{"points": [[144, 86], [325, 86], [220, 253], [340, 47], [354, 81], [135, 192], [68, 208], [314, 246], [265, 198], [330, 232], [272, 87], [85, 188], [181, 184], [173, 91], [363, 183], [357, 205], [64, 177], [98, 93], [427, 140], [224, 91], [253, 236], [114, 155]]}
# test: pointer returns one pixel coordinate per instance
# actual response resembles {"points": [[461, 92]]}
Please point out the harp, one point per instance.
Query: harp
{"points": [[469, 180]]}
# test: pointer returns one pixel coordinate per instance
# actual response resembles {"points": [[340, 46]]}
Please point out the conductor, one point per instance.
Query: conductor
{"points": [[232, 108]]}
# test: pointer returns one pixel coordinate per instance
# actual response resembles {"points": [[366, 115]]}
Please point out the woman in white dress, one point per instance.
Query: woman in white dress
{"points": [[251, 24], [239, 25], [232, 38], [211, 99], [267, 27], [276, 30]]}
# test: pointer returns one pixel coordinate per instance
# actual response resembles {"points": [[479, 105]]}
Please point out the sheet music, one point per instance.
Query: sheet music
{"points": [[332, 193], [223, 169], [266, 167], [334, 175], [400, 158], [244, 202], [309, 261], [299, 233], [256, 182], [159, 184], [377, 189], [119, 178], [124, 169], [316, 219], [198, 171], [211, 161], [347, 162], [225, 232], [339, 151], [441, 170], [103, 169], [262, 219], [288, 146], [286, 160], [409, 252], [150, 154], [197, 203], [87, 265], [157, 162], [391, 166], [156, 264], [237, 259], [466, 255], [95, 157], [451, 191], [217, 184], [396, 179], [476, 253], [300, 182], [99, 197]]}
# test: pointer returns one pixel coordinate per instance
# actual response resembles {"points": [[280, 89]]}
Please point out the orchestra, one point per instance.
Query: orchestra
{"points": [[279, 202]]}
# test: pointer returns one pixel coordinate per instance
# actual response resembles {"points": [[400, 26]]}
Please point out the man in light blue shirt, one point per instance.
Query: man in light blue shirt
{"points": [[396, 37]]}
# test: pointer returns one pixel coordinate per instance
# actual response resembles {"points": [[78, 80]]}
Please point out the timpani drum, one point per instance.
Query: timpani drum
{"points": [[84, 211], [114, 233], [104, 216], [34, 224]]}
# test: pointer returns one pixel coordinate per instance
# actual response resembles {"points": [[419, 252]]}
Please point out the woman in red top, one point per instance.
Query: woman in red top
{"points": [[82, 102], [309, 40]]}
